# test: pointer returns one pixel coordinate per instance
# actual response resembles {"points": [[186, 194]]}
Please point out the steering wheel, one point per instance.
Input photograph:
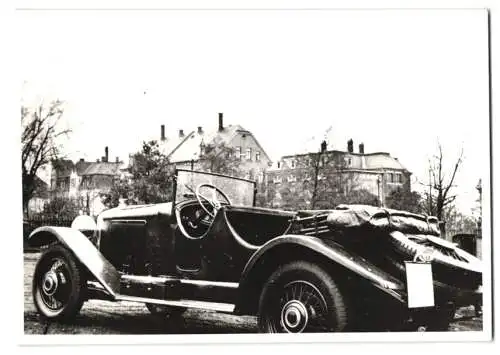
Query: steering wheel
{"points": [[213, 202]]}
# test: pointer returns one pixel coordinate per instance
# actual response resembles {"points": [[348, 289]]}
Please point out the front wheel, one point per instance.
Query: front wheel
{"points": [[58, 284], [301, 297]]}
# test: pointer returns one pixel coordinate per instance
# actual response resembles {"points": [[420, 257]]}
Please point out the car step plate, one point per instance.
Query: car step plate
{"points": [[420, 284], [212, 306], [150, 286]]}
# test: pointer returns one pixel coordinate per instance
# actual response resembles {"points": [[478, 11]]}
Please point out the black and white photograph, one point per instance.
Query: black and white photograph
{"points": [[231, 172]]}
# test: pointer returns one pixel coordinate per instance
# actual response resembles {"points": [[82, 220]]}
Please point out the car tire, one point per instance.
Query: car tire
{"points": [[301, 297], [165, 311], [59, 284]]}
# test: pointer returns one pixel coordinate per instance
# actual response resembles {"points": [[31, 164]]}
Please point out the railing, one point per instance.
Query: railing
{"points": [[29, 225]]}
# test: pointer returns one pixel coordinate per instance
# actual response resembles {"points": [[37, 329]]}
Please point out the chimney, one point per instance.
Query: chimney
{"points": [[323, 146], [117, 159], [106, 154], [362, 148], [221, 123], [181, 133], [97, 160], [103, 159], [350, 147], [82, 160], [162, 132], [200, 130]]}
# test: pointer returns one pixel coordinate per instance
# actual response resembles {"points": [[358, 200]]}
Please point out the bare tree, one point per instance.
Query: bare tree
{"points": [[40, 130], [439, 194], [320, 180], [317, 162]]}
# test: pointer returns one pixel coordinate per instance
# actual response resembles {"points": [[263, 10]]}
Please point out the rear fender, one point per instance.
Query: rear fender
{"points": [[331, 251], [83, 250]]}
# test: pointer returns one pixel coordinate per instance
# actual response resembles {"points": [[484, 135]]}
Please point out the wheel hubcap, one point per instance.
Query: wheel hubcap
{"points": [[295, 307], [294, 316], [50, 283], [54, 286]]}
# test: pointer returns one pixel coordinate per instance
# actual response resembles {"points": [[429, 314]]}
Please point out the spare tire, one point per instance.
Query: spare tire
{"points": [[451, 265], [414, 246]]}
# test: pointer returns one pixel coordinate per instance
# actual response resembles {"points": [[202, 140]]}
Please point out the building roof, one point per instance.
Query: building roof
{"points": [[366, 161], [81, 166], [382, 161], [64, 168], [41, 188], [101, 168], [188, 148]]}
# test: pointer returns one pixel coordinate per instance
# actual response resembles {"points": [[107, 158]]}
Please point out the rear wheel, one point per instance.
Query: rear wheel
{"points": [[58, 284], [301, 297]]}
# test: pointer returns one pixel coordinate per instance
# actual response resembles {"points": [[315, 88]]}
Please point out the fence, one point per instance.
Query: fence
{"points": [[29, 225]]}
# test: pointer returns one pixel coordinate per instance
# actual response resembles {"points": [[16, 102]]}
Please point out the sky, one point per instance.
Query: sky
{"points": [[398, 81]]}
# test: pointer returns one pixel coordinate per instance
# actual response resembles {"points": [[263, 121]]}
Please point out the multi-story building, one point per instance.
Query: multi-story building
{"points": [[377, 173], [186, 150], [84, 181]]}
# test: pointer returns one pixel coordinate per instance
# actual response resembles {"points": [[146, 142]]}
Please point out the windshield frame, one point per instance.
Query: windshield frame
{"points": [[174, 202]]}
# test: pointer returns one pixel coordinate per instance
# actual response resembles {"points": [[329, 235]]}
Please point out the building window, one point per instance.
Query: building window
{"points": [[292, 164], [390, 177], [278, 165], [399, 178], [257, 156], [249, 154], [292, 178], [277, 179], [238, 152], [260, 178]]}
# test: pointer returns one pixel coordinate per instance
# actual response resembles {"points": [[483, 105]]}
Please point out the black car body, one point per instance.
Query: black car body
{"points": [[317, 270]]}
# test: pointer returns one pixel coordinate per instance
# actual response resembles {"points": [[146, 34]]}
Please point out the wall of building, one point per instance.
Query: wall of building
{"points": [[293, 170], [254, 165]]}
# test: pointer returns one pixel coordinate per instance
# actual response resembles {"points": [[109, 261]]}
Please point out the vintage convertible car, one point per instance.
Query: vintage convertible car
{"points": [[352, 268]]}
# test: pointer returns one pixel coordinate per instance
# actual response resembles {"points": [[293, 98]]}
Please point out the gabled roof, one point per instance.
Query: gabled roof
{"points": [[188, 148], [41, 188], [64, 168], [81, 166], [102, 169]]}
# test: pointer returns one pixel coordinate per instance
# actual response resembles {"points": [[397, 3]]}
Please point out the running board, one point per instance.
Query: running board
{"points": [[210, 306]]}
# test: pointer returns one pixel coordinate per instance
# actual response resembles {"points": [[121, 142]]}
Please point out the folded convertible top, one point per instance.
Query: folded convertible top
{"points": [[364, 216]]}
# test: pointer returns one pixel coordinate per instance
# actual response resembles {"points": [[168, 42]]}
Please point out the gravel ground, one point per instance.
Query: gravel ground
{"points": [[102, 317]]}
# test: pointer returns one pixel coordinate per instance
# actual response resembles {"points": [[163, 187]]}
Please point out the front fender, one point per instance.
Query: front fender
{"points": [[83, 250], [332, 251]]}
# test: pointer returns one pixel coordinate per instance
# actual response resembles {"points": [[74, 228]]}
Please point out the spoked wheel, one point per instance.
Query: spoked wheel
{"points": [[301, 297], [57, 284]]}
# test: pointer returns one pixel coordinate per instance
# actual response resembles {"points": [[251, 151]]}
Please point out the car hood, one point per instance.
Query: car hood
{"points": [[137, 211]]}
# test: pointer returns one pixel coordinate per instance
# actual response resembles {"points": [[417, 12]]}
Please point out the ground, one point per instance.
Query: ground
{"points": [[102, 317]]}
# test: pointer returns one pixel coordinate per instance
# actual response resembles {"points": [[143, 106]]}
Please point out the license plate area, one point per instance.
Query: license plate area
{"points": [[419, 284]]}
